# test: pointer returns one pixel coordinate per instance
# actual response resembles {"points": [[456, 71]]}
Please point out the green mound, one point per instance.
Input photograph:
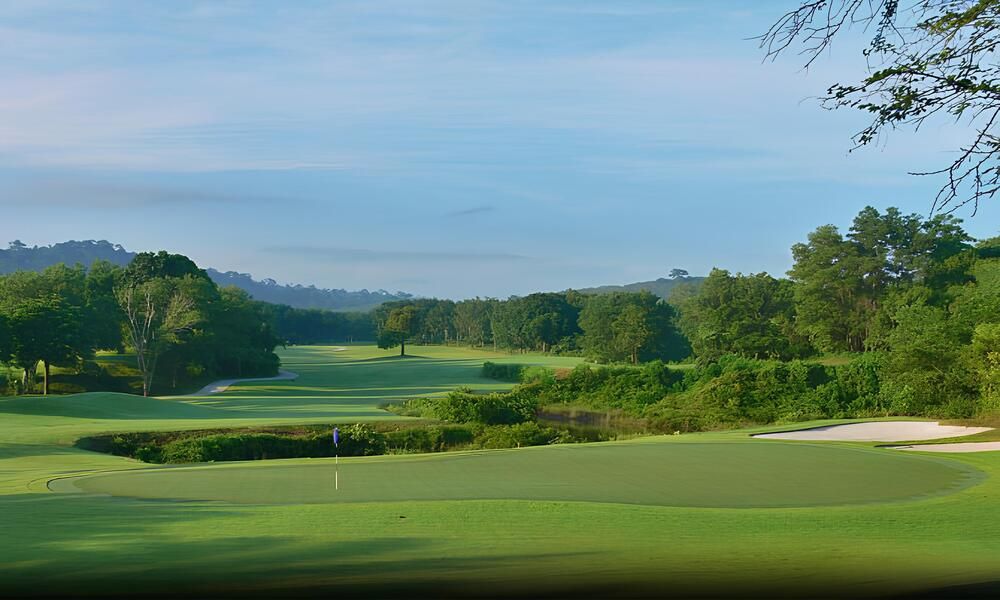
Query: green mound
{"points": [[103, 405], [722, 475]]}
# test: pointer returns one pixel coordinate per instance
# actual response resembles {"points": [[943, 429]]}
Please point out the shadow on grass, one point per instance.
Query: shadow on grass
{"points": [[982, 590], [109, 547], [73, 546], [394, 357], [13, 450]]}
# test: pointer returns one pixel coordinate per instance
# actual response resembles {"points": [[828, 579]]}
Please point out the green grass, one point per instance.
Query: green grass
{"points": [[668, 514], [734, 475]]}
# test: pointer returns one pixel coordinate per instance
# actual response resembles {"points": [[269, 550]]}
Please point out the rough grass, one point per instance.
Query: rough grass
{"points": [[76, 544]]}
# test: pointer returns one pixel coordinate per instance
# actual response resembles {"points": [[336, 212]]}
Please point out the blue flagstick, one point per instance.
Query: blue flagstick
{"points": [[336, 468]]}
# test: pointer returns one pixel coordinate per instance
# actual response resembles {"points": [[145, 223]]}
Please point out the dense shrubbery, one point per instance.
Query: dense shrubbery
{"points": [[627, 388], [736, 391], [432, 438], [316, 441], [465, 406], [515, 436], [503, 372]]}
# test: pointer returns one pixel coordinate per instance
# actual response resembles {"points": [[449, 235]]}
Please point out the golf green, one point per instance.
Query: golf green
{"points": [[720, 475], [646, 517]]}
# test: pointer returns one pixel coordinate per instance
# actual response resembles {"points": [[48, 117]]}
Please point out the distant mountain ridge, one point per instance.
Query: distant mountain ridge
{"points": [[20, 257], [660, 287]]}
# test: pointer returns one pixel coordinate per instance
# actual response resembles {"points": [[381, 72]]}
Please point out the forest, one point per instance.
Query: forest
{"points": [[18, 256], [907, 308], [177, 322], [899, 315]]}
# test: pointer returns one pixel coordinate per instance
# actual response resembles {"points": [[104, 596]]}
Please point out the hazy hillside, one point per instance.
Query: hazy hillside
{"points": [[301, 296], [661, 287], [19, 256]]}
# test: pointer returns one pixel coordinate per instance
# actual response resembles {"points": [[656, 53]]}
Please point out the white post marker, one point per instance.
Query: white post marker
{"points": [[336, 458]]}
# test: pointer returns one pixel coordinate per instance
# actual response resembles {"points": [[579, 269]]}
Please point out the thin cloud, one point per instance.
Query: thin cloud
{"points": [[394, 256], [117, 195], [468, 212]]}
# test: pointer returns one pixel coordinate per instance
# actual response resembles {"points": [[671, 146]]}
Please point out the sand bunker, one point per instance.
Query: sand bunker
{"points": [[959, 447], [877, 431], [217, 387]]}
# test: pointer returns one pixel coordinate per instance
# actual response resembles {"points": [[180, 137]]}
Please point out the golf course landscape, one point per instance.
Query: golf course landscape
{"points": [[683, 515]]}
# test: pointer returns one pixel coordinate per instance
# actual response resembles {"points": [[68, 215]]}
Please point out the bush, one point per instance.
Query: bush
{"points": [[516, 436], [462, 406], [355, 440], [414, 407], [249, 446], [503, 372], [626, 388], [537, 374], [428, 439], [295, 442]]}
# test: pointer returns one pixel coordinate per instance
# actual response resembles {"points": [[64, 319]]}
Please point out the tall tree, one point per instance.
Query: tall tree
{"points": [[629, 326], [630, 331], [472, 321], [843, 283], [830, 291], [749, 315], [159, 312], [986, 361], [400, 325], [930, 58], [44, 330], [149, 265], [103, 315], [437, 324], [47, 313]]}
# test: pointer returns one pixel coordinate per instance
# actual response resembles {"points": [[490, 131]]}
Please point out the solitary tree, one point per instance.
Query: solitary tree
{"points": [[926, 58], [400, 325]]}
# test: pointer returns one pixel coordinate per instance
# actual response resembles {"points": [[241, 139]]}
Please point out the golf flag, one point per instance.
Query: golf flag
{"points": [[336, 472]]}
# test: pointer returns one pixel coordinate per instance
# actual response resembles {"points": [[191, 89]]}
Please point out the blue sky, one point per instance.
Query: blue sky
{"points": [[453, 148]]}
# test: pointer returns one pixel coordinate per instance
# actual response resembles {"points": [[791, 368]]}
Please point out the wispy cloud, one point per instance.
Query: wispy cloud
{"points": [[477, 210], [101, 194], [394, 256]]}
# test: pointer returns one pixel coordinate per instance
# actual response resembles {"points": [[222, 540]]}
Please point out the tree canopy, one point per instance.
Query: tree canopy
{"points": [[162, 307], [926, 59]]}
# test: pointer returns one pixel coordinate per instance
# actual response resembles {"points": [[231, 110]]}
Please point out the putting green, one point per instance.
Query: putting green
{"points": [[666, 473]]}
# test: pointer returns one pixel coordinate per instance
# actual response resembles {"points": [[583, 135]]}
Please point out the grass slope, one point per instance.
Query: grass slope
{"points": [[568, 541]]}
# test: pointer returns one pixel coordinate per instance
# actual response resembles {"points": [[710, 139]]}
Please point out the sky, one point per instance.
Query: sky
{"points": [[451, 148]]}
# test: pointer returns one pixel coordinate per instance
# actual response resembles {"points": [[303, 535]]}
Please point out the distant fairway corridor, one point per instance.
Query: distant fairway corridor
{"points": [[678, 514]]}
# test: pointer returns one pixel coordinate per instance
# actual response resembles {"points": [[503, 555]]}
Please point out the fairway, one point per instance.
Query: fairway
{"points": [[719, 475], [663, 512]]}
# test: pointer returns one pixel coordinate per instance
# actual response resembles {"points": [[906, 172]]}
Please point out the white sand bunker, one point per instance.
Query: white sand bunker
{"points": [[877, 431], [959, 447], [217, 387]]}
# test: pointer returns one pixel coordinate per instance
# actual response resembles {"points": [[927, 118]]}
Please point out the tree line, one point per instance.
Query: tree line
{"points": [[615, 327], [917, 299], [917, 296], [18, 256], [179, 324]]}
